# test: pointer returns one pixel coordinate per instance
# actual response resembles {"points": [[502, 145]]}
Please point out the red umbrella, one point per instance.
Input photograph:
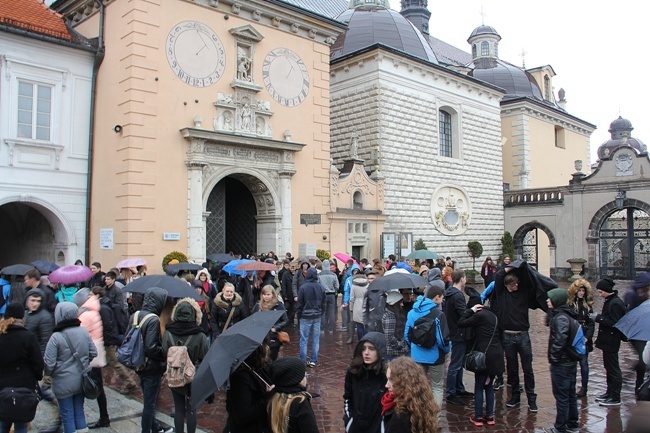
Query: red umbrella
{"points": [[256, 266], [344, 257], [71, 274]]}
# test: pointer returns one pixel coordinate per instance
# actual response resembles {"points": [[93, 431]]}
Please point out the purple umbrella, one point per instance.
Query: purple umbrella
{"points": [[131, 263], [71, 274]]}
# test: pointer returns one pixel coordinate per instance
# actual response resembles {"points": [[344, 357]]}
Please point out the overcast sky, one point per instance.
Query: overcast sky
{"points": [[595, 48]]}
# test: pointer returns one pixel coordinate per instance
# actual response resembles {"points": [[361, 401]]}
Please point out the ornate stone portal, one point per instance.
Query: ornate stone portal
{"points": [[451, 210]]}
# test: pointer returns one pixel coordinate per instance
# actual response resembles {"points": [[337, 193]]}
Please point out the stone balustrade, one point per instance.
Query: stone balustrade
{"points": [[533, 197]]}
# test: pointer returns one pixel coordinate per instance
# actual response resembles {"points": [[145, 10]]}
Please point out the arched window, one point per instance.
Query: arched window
{"points": [[485, 49], [446, 138], [474, 50], [357, 200]]}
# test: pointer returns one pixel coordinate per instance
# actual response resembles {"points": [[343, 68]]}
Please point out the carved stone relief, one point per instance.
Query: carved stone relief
{"points": [[450, 210]]}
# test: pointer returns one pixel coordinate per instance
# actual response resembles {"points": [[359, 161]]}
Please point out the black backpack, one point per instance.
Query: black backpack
{"points": [[423, 332]]}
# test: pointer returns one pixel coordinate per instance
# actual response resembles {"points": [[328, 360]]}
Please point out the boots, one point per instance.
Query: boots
{"points": [[350, 334], [582, 392]]}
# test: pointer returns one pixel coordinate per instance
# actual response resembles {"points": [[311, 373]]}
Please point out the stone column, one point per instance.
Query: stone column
{"points": [[285, 205], [195, 219]]}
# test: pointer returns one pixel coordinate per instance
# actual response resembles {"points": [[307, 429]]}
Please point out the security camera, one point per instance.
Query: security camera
{"points": [[117, 129]]}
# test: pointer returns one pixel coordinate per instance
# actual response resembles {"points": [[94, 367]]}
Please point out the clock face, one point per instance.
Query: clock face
{"points": [[286, 77], [195, 54]]}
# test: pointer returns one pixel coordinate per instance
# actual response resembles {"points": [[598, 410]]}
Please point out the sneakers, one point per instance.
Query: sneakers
{"points": [[100, 423], [514, 401], [489, 420], [311, 364], [582, 392], [478, 422], [573, 430], [498, 383], [611, 402], [455, 400], [165, 430], [551, 430], [602, 397], [532, 406]]}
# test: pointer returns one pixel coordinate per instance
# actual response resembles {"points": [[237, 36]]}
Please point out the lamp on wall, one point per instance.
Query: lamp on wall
{"points": [[619, 200]]}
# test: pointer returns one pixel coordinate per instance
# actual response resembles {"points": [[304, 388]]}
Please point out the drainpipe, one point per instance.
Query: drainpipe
{"points": [[99, 58]]}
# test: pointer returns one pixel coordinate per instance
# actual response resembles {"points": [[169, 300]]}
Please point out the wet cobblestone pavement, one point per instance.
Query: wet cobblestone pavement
{"points": [[327, 381]]}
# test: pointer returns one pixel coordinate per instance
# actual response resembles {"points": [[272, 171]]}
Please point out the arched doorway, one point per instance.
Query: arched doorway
{"points": [[527, 241], [26, 235], [624, 243], [231, 224]]}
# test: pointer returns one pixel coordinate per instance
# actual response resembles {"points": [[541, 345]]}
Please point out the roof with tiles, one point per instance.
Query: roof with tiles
{"points": [[35, 17], [329, 8]]}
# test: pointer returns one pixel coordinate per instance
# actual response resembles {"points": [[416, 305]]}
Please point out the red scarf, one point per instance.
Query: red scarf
{"points": [[206, 286], [387, 402]]}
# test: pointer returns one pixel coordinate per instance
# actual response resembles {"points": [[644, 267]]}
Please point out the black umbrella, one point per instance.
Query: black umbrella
{"points": [[221, 258], [229, 351], [183, 266], [398, 280], [18, 269], [175, 287], [45, 267]]}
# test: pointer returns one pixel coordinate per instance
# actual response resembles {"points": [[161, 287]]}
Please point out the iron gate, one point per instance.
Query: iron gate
{"points": [[625, 244], [530, 248]]}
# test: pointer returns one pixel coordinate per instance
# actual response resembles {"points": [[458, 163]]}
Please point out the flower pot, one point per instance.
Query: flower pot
{"points": [[576, 268]]}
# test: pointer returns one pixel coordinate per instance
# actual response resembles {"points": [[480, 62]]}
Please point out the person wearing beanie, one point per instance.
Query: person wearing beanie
{"points": [[609, 340], [330, 282], [563, 364], [21, 365], [289, 407]]}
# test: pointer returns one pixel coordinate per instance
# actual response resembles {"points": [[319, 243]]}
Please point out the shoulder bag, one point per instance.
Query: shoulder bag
{"points": [[90, 388], [475, 360], [18, 404]]}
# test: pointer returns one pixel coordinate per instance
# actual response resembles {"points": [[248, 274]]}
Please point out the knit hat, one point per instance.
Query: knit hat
{"points": [[558, 297], [606, 285], [326, 265], [642, 280], [288, 372], [14, 310], [393, 297]]}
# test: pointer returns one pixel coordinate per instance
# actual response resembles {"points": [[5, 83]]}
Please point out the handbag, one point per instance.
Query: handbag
{"points": [[100, 360], [90, 387], [18, 404], [475, 360], [283, 337]]}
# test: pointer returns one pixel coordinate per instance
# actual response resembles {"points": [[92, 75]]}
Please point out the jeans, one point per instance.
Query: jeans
{"points": [[483, 384], [614, 376], [150, 385], [361, 330], [584, 370], [308, 326], [563, 381], [455, 369], [19, 427], [437, 379], [519, 344], [182, 409], [72, 413], [328, 319]]}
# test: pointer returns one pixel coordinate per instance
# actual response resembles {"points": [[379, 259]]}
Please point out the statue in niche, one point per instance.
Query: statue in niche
{"points": [[243, 65], [354, 146], [259, 122], [246, 117]]}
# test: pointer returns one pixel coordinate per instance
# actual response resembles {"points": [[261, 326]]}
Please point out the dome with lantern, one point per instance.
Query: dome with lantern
{"points": [[621, 135]]}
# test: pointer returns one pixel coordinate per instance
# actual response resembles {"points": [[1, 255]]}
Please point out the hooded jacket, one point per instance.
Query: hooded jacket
{"points": [[558, 338], [155, 359], [436, 354], [21, 363], [328, 279], [311, 297], [298, 277], [435, 278], [65, 293], [483, 324], [364, 390], [347, 285], [39, 322], [5, 286], [454, 307], [609, 338], [357, 292], [109, 324], [186, 330], [59, 361], [221, 311]]}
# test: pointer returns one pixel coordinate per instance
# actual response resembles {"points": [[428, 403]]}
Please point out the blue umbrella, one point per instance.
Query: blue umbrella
{"points": [[230, 267], [45, 267], [636, 323]]}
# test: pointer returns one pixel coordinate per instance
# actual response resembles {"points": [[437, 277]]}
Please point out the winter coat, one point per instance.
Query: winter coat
{"points": [[454, 307], [245, 291], [155, 360], [97, 280], [396, 422], [65, 293], [109, 325], [558, 338], [119, 306], [39, 322], [21, 363], [301, 416], [59, 361], [279, 324], [221, 312], [311, 297], [5, 286], [246, 401], [357, 292], [395, 343], [609, 338], [300, 278], [364, 390], [588, 324], [484, 322], [208, 287], [286, 286], [487, 272], [328, 279], [435, 278], [347, 285], [436, 354], [91, 319]]}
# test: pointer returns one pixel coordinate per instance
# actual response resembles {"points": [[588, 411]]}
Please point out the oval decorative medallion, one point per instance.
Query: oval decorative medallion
{"points": [[450, 210]]}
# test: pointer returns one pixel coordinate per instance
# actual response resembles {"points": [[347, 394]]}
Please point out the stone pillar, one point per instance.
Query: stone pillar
{"points": [[196, 220], [552, 260], [286, 209]]}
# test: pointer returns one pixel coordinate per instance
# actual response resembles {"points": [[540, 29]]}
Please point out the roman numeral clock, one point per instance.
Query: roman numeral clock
{"points": [[285, 77], [195, 54]]}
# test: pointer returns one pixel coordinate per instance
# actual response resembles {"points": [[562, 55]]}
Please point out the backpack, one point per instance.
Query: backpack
{"points": [[425, 330], [375, 303], [576, 345], [131, 352], [180, 368]]}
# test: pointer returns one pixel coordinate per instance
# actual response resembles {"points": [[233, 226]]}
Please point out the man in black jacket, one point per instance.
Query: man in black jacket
{"points": [[311, 303], [609, 340], [563, 365], [454, 308]]}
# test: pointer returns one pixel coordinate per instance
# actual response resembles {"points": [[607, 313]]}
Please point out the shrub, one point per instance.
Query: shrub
{"points": [[323, 255], [419, 245], [507, 247], [171, 256], [475, 249]]}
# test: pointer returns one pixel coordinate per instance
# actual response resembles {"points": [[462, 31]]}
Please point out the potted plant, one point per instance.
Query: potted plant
{"points": [[576, 264]]}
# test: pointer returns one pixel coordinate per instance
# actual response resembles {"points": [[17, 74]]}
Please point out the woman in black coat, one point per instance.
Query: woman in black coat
{"points": [[21, 365], [226, 302], [484, 324], [268, 302]]}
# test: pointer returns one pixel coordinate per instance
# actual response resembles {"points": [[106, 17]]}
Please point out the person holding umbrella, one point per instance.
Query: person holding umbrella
{"points": [[289, 407], [269, 301], [228, 310]]}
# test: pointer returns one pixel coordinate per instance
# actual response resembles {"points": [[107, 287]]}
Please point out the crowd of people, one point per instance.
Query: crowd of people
{"points": [[396, 380]]}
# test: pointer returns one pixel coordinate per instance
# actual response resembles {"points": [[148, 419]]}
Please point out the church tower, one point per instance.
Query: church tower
{"points": [[416, 12], [485, 46]]}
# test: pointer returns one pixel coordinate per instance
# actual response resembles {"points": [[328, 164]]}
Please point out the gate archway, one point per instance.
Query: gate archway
{"points": [[527, 240]]}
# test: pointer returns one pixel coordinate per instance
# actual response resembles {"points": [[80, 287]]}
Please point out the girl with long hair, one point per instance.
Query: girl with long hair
{"points": [[488, 269], [582, 299], [269, 301], [408, 406], [289, 407], [365, 382]]}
